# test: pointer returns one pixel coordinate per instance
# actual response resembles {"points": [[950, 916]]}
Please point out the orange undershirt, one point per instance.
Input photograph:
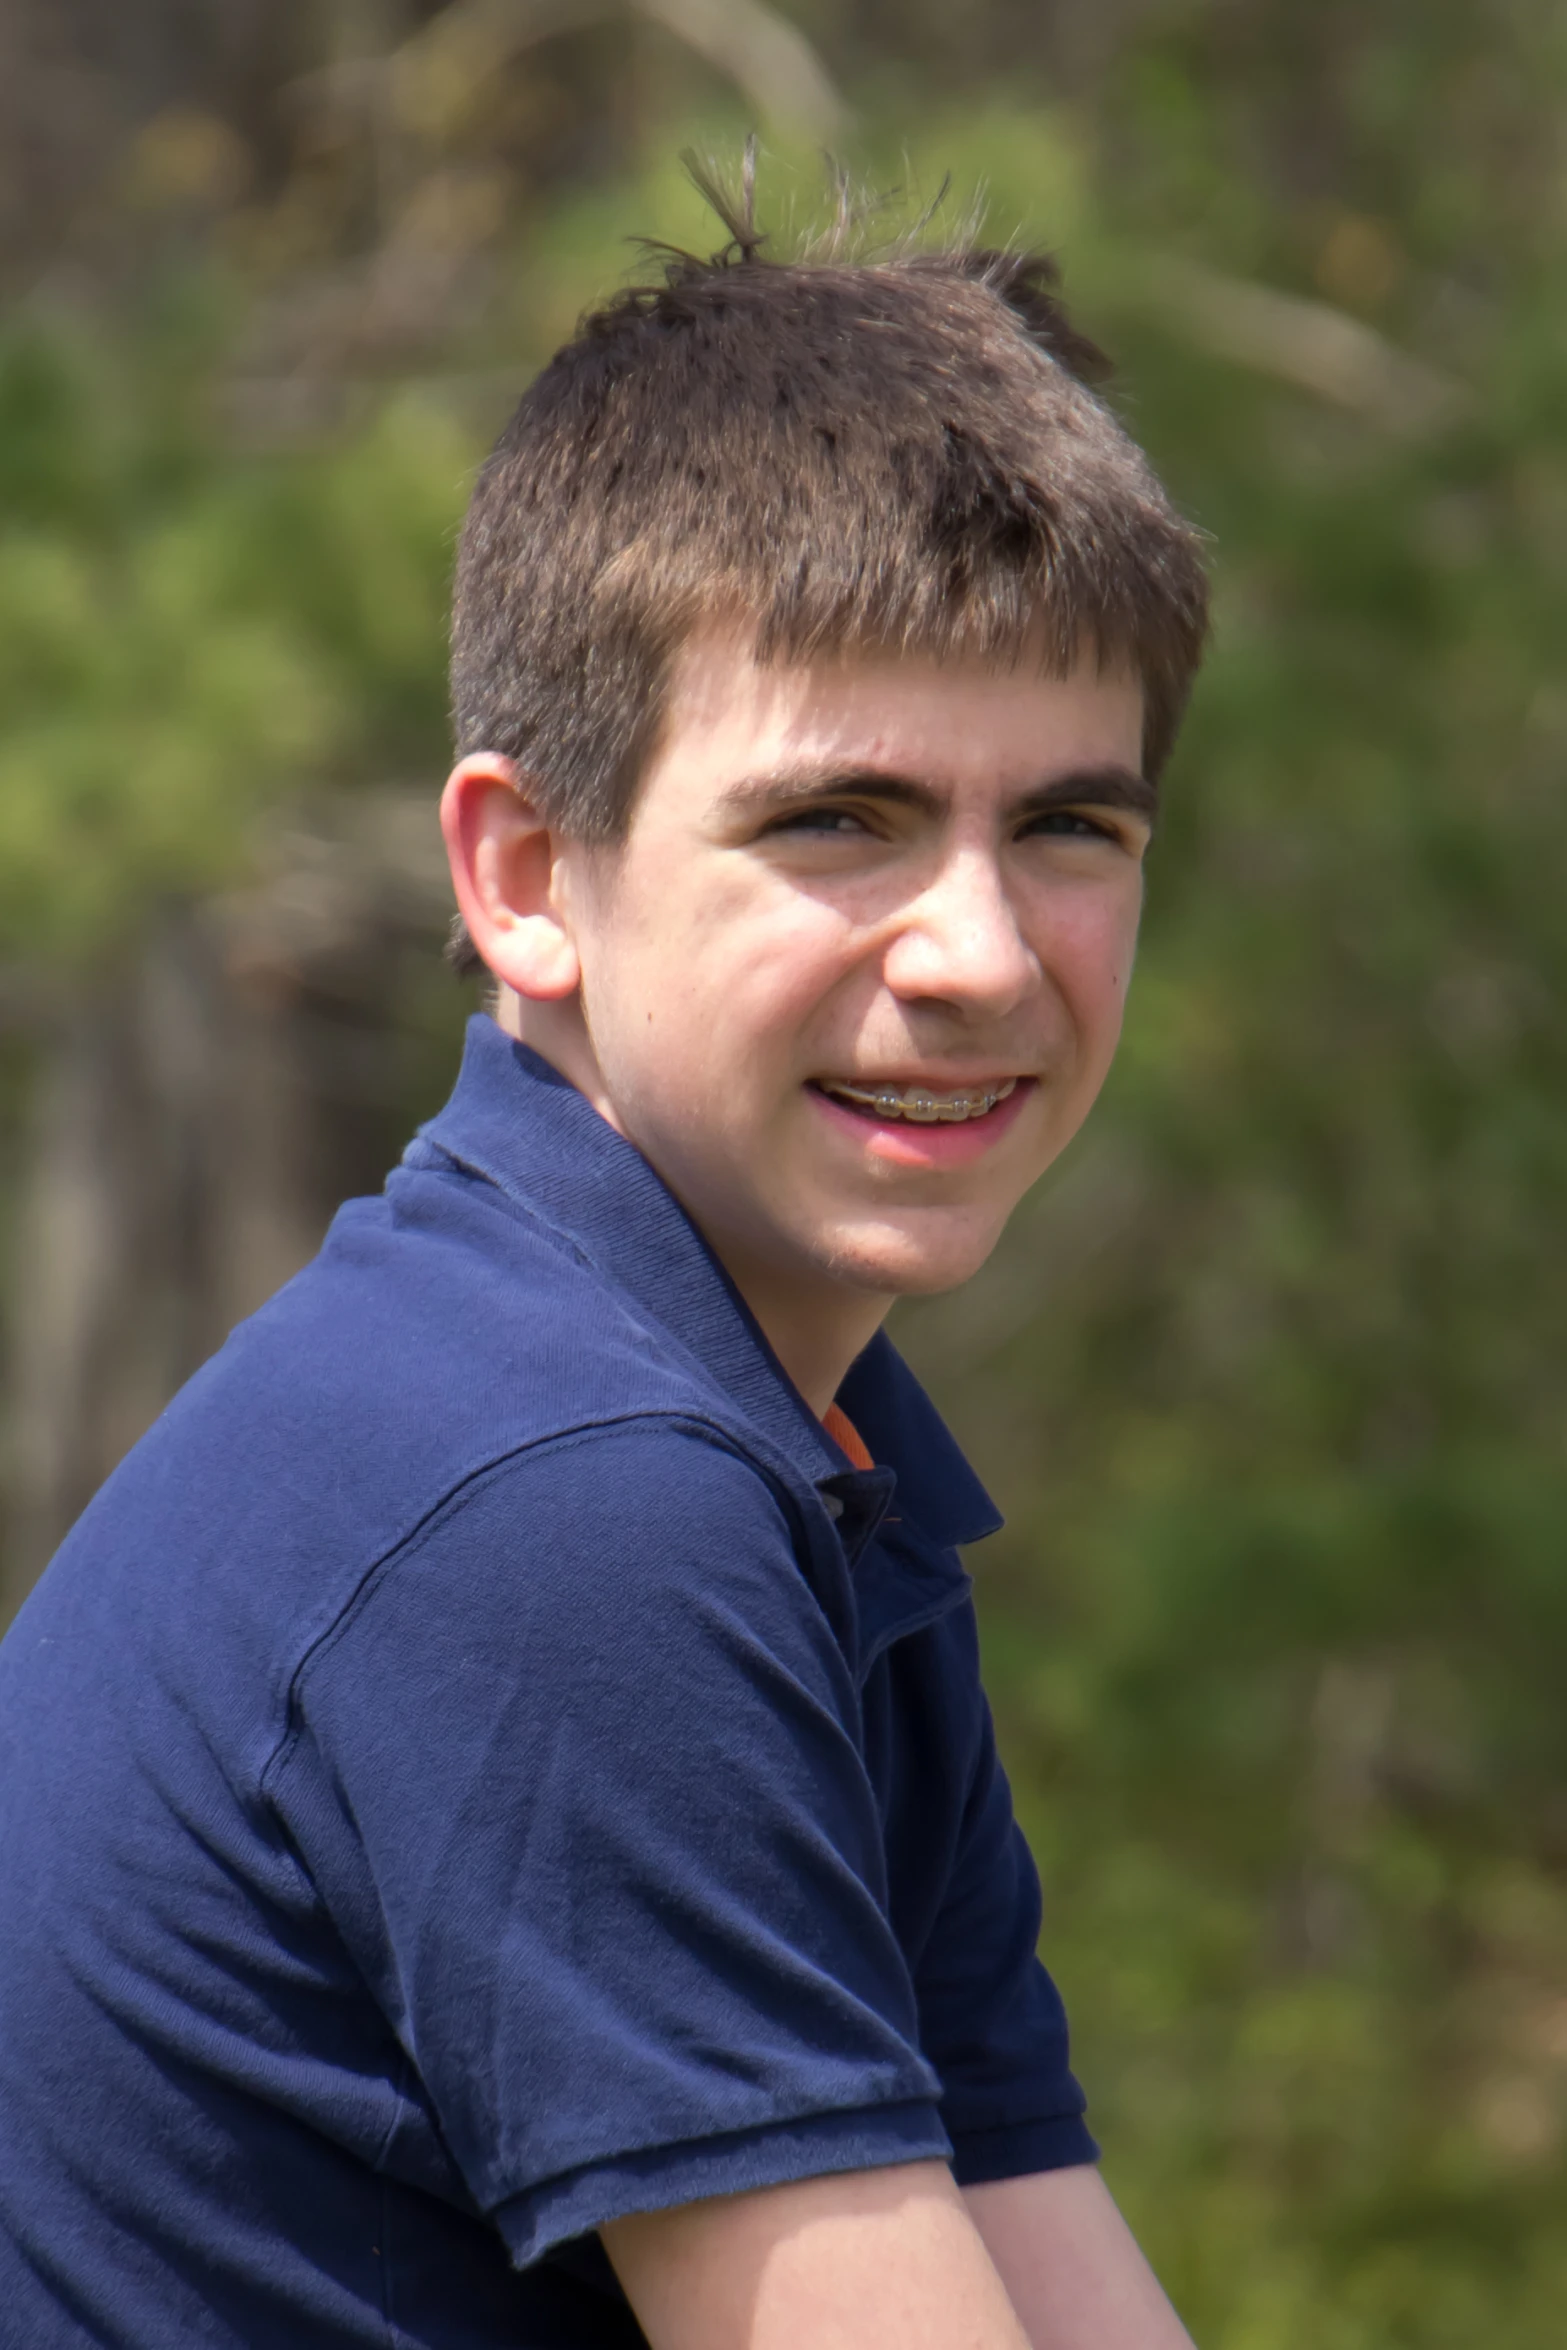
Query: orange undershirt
{"points": [[846, 1436]]}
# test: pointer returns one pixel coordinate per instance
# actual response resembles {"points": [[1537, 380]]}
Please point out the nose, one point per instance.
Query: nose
{"points": [[959, 942]]}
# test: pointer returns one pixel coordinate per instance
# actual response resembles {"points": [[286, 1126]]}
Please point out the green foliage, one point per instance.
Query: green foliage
{"points": [[1271, 1377], [188, 633]]}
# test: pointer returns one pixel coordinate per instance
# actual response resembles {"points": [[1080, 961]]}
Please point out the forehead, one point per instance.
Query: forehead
{"points": [[962, 723]]}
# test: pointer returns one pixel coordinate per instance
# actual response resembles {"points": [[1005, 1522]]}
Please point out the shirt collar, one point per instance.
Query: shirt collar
{"points": [[515, 1120], [936, 1487]]}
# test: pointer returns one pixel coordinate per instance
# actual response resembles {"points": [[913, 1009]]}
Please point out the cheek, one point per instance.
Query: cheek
{"points": [[1089, 943], [724, 988], [784, 981]]}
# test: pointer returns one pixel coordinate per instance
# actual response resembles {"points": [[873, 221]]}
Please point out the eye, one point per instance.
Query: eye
{"points": [[1069, 824], [832, 823]]}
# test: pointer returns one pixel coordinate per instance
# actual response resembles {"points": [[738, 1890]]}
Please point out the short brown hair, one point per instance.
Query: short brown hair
{"points": [[901, 452]]}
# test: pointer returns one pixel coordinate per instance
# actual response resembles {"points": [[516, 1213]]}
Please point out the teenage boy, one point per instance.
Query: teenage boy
{"points": [[502, 1838]]}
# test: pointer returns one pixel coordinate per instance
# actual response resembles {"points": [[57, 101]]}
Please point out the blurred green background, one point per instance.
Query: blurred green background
{"points": [[1270, 1377]]}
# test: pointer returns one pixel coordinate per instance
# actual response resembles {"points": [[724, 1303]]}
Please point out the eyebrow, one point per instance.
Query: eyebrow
{"points": [[1108, 786]]}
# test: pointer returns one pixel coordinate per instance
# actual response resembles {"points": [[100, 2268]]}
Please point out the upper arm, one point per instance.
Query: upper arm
{"points": [[991, 2019], [580, 1783], [877, 2260], [1070, 2264], [896, 2259]]}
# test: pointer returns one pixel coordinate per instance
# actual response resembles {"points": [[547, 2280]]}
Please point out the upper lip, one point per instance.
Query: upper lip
{"points": [[930, 1080]]}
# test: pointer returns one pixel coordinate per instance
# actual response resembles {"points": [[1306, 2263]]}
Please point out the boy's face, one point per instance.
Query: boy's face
{"points": [[856, 974]]}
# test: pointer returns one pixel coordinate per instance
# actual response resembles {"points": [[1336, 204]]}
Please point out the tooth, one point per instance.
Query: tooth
{"points": [[922, 1107]]}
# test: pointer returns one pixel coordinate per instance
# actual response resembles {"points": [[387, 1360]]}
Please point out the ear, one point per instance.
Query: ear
{"points": [[505, 871]]}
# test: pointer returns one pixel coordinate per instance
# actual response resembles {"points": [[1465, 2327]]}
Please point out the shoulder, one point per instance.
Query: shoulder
{"points": [[427, 1345], [443, 1311], [635, 1596], [636, 1537], [445, 1387]]}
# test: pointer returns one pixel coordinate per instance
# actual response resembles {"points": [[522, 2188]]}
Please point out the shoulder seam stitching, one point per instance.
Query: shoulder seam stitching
{"points": [[588, 1432]]}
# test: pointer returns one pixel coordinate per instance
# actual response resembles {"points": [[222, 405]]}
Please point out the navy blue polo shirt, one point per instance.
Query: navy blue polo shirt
{"points": [[487, 1763]]}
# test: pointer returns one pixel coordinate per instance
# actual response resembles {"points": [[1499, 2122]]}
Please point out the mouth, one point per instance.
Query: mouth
{"points": [[920, 1105]]}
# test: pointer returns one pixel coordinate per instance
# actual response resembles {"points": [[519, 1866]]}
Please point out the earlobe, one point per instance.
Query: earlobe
{"points": [[504, 866]]}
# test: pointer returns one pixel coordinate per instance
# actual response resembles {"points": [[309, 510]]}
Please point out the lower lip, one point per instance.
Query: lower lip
{"points": [[899, 1143]]}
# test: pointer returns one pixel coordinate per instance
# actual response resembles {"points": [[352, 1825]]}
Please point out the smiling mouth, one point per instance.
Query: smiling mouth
{"points": [[919, 1105]]}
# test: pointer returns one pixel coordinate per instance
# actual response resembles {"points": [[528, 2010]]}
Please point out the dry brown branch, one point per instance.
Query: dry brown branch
{"points": [[769, 60], [1311, 344]]}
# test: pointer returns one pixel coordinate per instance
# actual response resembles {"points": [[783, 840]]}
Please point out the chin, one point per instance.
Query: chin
{"points": [[911, 1264]]}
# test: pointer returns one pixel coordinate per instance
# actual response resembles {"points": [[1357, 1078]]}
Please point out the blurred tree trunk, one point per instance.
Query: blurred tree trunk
{"points": [[196, 1120]]}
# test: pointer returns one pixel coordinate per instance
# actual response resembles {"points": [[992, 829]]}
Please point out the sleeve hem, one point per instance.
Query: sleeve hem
{"points": [[657, 2178], [1016, 2149]]}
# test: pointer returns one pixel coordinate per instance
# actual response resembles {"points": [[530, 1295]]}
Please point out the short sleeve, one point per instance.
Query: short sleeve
{"points": [[578, 1778], [991, 2020]]}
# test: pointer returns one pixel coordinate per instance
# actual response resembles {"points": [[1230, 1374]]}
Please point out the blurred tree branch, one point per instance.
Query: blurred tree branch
{"points": [[1312, 345]]}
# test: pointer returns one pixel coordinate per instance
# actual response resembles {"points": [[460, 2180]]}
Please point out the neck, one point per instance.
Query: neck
{"points": [[814, 1328]]}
